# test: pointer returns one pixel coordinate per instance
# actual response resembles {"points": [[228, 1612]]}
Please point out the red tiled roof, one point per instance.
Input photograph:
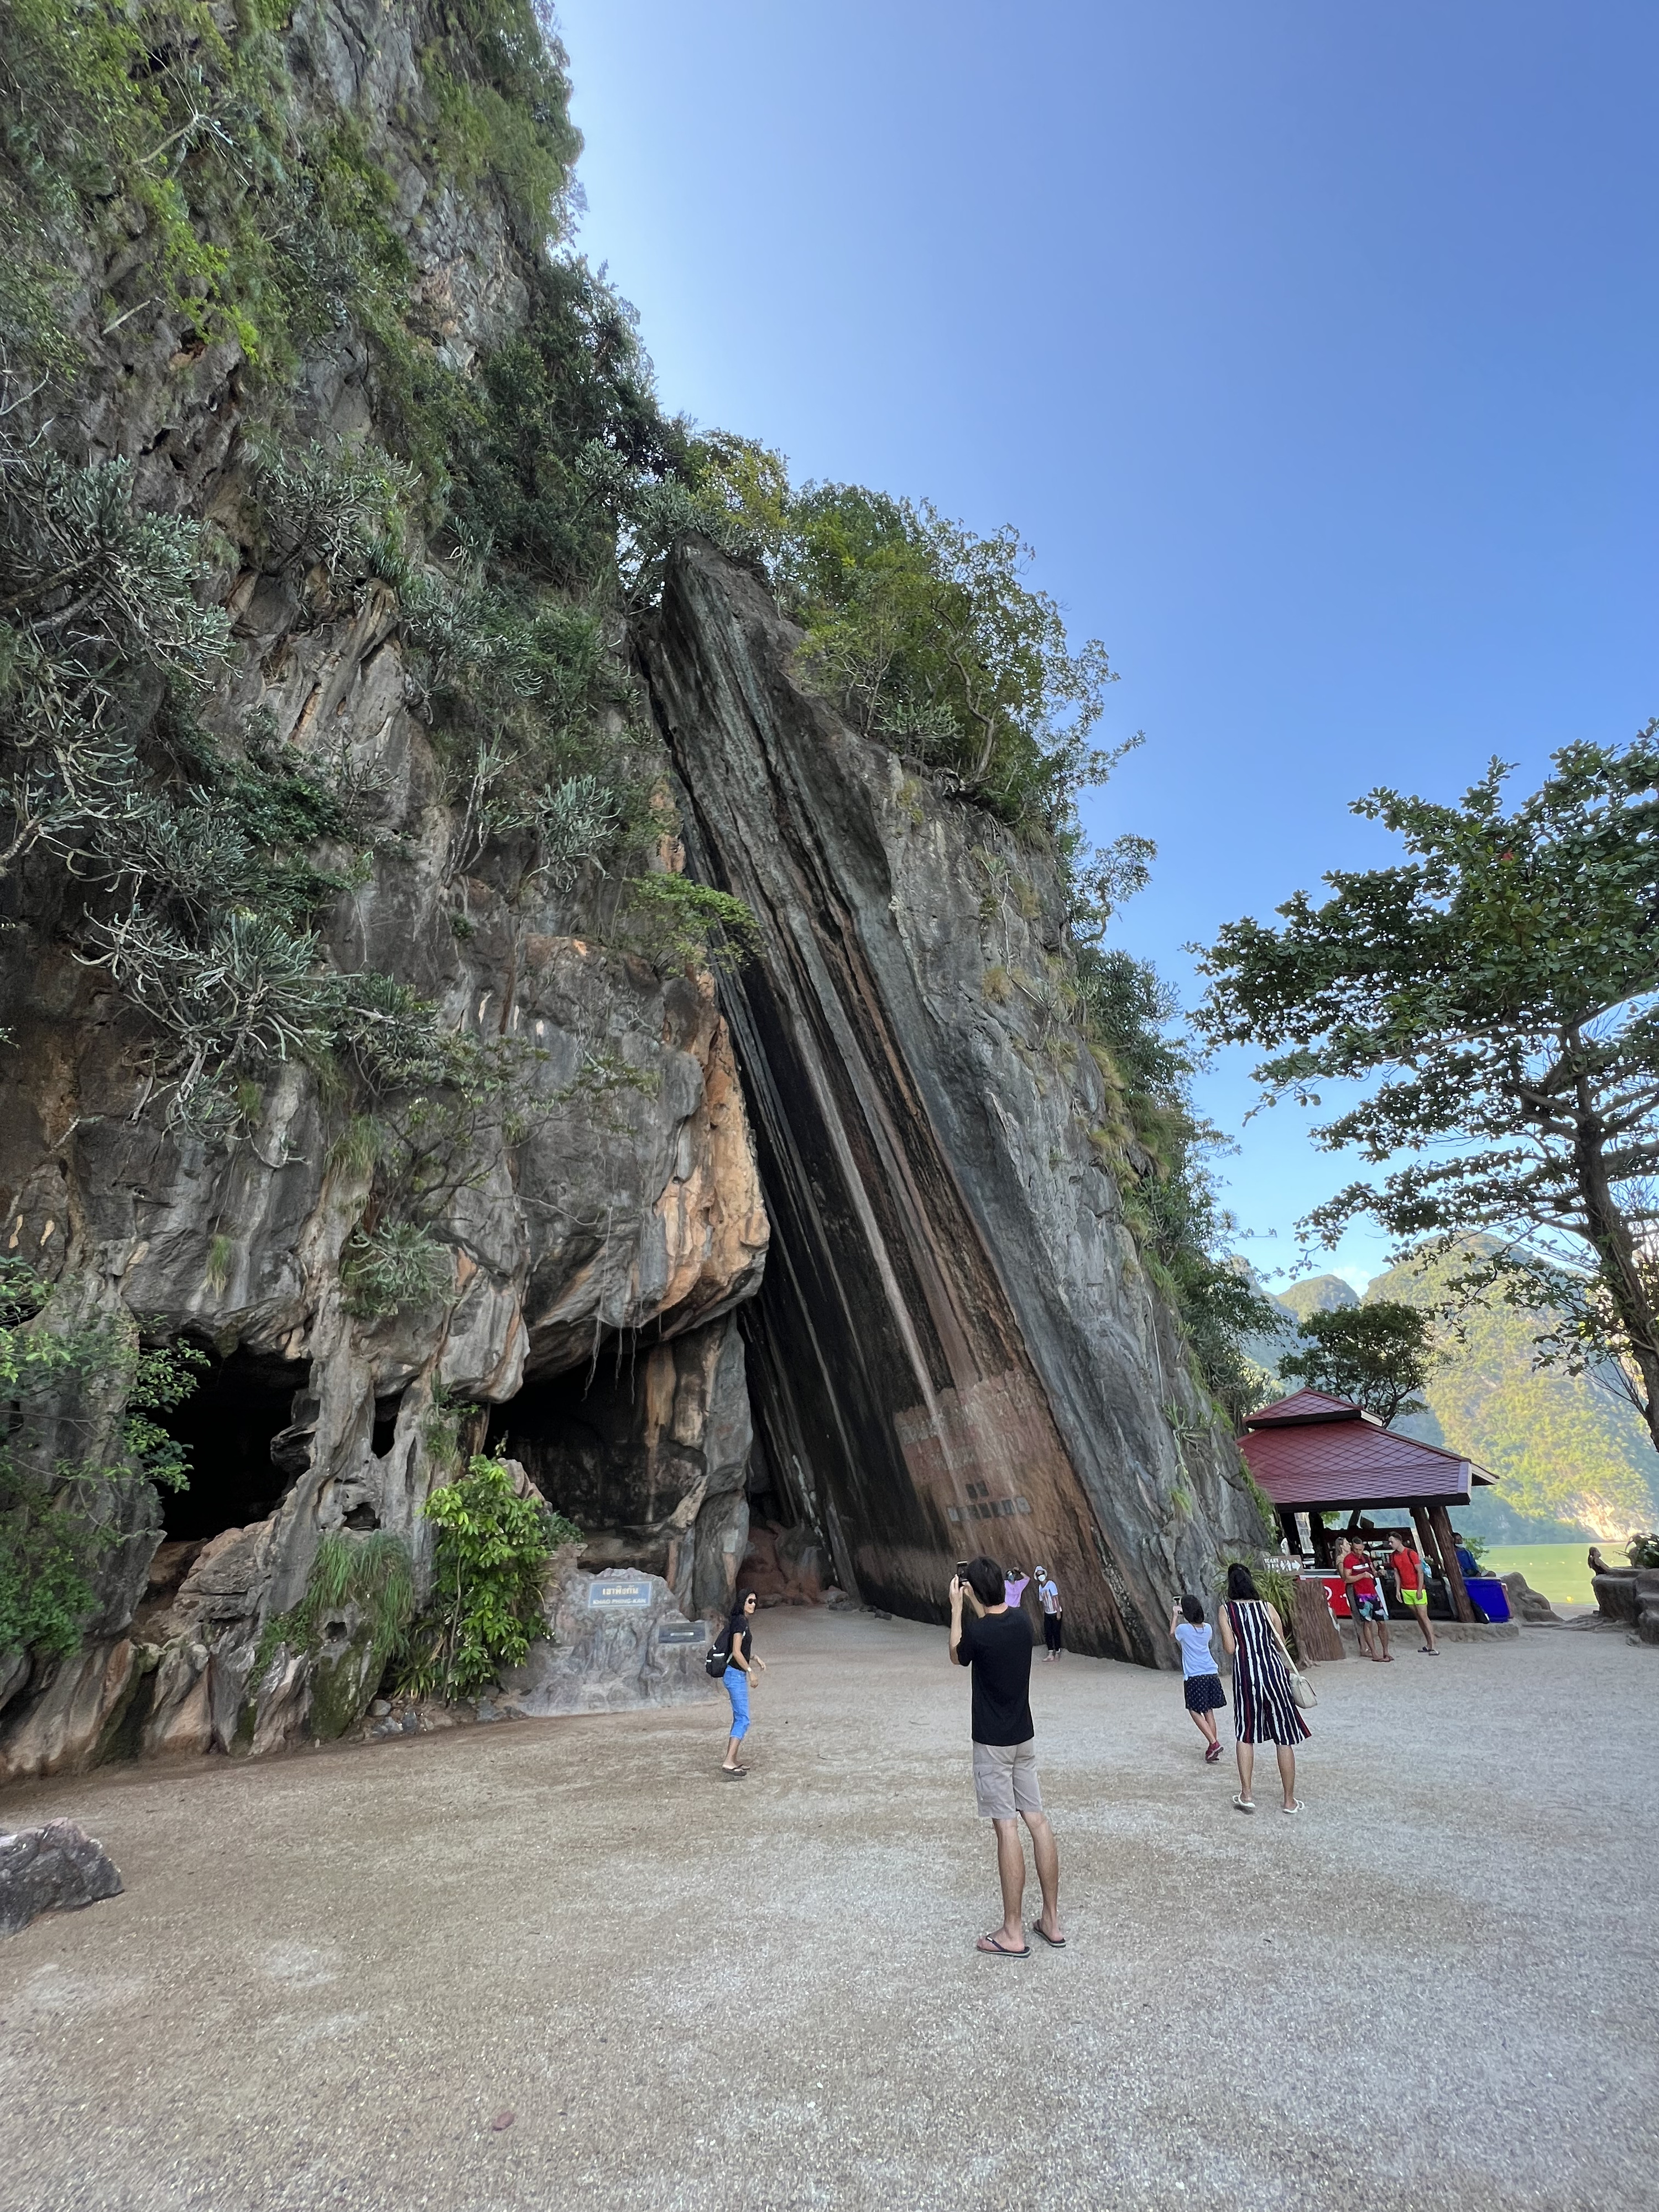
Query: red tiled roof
{"points": [[1311, 1450], [1305, 1406]]}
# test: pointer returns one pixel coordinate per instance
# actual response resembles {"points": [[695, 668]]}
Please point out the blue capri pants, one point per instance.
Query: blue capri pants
{"points": [[737, 1688]]}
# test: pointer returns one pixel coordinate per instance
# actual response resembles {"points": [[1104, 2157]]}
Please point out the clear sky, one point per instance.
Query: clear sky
{"points": [[1311, 345]]}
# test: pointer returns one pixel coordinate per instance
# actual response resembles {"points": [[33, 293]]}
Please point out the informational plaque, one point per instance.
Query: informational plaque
{"points": [[614, 1593], [682, 1631]]}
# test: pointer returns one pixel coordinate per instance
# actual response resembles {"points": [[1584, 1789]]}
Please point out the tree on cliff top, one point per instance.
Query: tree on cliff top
{"points": [[1501, 985], [1377, 1356]]}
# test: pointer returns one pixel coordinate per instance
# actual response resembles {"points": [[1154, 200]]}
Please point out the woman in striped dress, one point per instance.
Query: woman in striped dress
{"points": [[1263, 1708]]}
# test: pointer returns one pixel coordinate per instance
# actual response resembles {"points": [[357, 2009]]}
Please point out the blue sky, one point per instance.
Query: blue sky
{"points": [[1311, 346]]}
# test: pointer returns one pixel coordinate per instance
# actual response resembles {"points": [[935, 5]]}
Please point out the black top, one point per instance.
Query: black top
{"points": [[738, 1632], [999, 1650]]}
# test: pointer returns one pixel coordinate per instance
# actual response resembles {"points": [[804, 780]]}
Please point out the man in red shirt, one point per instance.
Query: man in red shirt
{"points": [[1370, 1615], [1412, 1570]]}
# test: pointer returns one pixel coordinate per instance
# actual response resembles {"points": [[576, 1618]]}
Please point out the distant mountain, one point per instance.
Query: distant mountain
{"points": [[1570, 1456], [1319, 1294]]}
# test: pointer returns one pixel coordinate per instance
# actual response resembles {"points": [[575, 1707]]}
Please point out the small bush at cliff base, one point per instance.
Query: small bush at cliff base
{"points": [[491, 1548], [59, 1511]]}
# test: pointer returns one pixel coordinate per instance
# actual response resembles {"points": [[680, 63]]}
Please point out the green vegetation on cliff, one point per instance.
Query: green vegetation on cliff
{"points": [[78, 1452], [204, 218]]}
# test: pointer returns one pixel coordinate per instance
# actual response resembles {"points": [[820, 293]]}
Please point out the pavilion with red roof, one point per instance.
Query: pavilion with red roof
{"points": [[1317, 1454]]}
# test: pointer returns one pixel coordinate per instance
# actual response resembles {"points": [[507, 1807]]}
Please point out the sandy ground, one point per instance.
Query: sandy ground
{"points": [[329, 1974]]}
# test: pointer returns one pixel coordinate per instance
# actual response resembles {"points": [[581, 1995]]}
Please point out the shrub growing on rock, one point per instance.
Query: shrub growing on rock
{"points": [[492, 1547]]}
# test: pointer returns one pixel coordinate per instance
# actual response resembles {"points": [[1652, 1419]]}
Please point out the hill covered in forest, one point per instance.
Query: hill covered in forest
{"points": [[1573, 1457]]}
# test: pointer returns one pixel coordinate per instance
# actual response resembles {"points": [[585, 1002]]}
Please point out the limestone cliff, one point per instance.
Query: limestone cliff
{"points": [[843, 1237], [955, 1346], [624, 1199]]}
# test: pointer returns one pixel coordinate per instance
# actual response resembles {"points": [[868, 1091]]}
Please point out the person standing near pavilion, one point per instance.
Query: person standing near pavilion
{"points": [[1264, 1709], [1365, 1601], [1410, 1571]]}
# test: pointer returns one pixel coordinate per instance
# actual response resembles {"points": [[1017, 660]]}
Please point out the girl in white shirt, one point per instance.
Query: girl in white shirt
{"points": [[1200, 1675]]}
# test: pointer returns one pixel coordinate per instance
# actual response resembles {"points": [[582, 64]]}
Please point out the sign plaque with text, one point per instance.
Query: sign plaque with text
{"points": [[615, 1593]]}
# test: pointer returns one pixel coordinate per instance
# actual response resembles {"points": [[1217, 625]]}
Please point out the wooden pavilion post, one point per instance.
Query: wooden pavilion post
{"points": [[1427, 1540], [1288, 1528], [1462, 1604]]}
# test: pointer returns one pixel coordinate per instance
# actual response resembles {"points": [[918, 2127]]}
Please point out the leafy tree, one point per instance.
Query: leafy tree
{"points": [[1497, 992], [1378, 1356], [681, 926]]}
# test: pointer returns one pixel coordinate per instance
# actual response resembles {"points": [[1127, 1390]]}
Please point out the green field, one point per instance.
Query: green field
{"points": [[1561, 1572]]}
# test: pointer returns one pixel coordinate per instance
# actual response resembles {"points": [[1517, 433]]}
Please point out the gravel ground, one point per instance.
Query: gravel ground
{"points": [[331, 1977]]}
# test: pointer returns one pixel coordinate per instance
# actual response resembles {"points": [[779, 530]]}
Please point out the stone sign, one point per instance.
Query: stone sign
{"points": [[609, 1592], [615, 1642]]}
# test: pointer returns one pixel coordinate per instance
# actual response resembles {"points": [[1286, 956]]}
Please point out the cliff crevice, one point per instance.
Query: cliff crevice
{"points": [[957, 1344]]}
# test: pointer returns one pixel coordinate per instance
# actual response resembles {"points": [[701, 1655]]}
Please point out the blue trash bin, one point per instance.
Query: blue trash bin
{"points": [[1488, 1597]]}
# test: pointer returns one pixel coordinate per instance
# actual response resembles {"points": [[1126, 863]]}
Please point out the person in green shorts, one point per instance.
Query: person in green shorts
{"points": [[1411, 1571]]}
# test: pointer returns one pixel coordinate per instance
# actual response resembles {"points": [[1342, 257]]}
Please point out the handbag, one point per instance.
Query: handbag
{"points": [[1302, 1692]]}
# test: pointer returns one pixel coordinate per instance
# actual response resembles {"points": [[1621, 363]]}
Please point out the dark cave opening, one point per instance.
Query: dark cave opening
{"points": [[576, 1436], [385, 1424], [246, 1425]]}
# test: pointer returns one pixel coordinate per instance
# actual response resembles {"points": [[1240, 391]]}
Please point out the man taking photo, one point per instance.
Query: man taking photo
{"points": [[995, 1642]]}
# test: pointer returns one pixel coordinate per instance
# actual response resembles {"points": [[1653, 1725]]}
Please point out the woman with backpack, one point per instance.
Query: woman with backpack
{"points": [[740, 1664]]}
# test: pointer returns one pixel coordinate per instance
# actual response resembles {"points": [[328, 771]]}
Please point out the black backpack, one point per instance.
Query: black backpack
{"points": [[719, 1652]]}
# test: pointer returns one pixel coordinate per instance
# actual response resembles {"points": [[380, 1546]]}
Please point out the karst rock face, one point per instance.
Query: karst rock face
{"points": [[631, 1207], [838, 1234], [955, 1347]]}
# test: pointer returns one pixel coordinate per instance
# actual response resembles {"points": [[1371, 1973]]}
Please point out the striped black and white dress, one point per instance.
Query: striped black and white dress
{"points": [[1264, 1711]]}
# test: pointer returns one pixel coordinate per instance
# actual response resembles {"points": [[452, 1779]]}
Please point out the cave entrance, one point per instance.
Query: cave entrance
{"points": [[247, 1425], [576, 1436]]}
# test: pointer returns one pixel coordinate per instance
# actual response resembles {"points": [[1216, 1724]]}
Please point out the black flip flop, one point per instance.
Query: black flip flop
{"points": [[1054, 1942], [734, 1773], [988, 1948]]}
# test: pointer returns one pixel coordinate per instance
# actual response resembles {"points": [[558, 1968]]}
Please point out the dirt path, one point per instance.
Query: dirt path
{"points": [[329, 1974]]}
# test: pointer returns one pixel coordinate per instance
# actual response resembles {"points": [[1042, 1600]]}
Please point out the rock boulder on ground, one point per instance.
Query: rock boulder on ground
{"points": [[615, 1643], [1527, 1603], [57, 1869]]}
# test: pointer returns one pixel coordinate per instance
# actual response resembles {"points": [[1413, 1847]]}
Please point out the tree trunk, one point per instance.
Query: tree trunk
{"points": [[1424, 1523], [1615, 1248], [1462, 1604]]}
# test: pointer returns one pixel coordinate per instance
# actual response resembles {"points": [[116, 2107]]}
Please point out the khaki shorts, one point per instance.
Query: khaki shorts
{"points": [[1006, 1780]]}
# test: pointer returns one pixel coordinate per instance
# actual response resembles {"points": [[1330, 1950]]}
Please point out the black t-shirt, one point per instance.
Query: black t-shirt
{"points": [[739, 1638], [998, 1650]]}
